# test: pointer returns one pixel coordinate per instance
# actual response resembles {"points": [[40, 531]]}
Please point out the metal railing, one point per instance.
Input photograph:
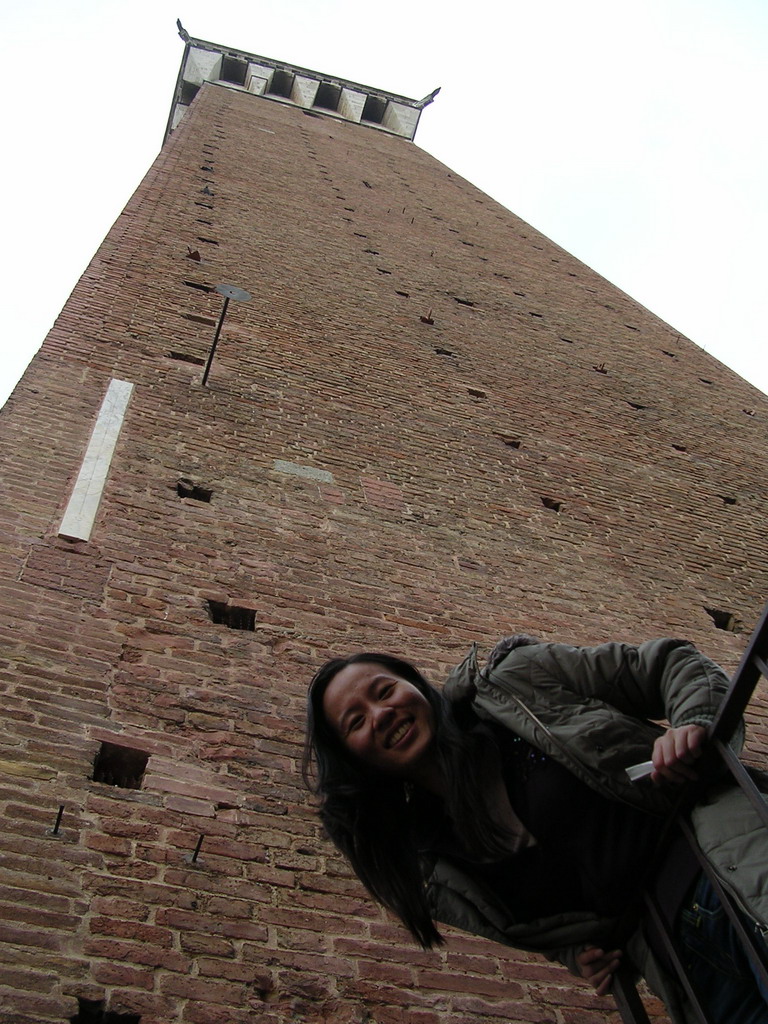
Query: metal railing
{"points": [[754, 663]]}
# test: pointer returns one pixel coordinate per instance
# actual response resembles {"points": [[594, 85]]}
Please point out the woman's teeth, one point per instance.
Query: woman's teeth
{"points": [[398, 734]]}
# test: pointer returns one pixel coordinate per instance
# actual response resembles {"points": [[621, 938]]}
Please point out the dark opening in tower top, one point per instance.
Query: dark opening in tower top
{"points": [[328, 96], [188, 92], [233, 70], [281, 84], [374, 109]]}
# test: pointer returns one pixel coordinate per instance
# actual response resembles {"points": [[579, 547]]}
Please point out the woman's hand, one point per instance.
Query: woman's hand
{"points": [[675, 752], [599, 967]]}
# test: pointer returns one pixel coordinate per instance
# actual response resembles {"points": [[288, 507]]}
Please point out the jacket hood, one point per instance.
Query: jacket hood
{"points": [[461, 683]]}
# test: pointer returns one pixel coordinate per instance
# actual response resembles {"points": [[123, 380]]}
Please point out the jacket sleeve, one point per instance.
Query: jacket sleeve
{"points": [[659, 679], [594, 708]]}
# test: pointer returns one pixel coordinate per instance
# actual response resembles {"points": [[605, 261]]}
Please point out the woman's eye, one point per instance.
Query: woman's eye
{"points": [[386, 690], [355, 723]]}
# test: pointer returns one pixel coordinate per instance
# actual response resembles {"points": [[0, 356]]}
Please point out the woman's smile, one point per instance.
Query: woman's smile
{"points": [[398, 734]]}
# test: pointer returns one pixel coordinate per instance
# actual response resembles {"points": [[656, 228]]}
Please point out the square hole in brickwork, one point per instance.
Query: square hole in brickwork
{"points": [[281, 84], [116, 765], [724, 620], [231, 615], [188, 489], [374, 109], [328, 96], [185, 357], [509, 440], [209, 321], [552, 504], [92, 1011]]}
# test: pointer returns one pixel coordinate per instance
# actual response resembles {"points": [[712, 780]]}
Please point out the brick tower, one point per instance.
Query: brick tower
{"points": [[429, 425]]}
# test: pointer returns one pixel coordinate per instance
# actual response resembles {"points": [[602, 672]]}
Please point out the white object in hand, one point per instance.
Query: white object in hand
{"points": [[639, 771]]}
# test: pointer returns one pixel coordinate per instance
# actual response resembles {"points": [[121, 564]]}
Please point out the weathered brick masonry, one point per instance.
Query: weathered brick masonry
{"points": [[546, 455]]}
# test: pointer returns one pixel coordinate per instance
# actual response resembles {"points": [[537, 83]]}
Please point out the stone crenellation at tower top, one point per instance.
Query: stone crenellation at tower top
{"points": [[318, 94]]}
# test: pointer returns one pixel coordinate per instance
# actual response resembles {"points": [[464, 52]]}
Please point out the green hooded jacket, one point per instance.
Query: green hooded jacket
{"points": [[594, 709]]}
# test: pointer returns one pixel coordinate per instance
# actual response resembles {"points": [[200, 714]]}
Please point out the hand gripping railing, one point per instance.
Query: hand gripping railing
{"points": [[753, 664]]}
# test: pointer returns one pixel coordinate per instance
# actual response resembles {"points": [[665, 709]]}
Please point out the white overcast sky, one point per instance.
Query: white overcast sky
{"points": [[631, 132]]}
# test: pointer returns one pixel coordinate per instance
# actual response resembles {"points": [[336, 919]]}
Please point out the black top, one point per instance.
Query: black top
{"points": [[591, 854]]}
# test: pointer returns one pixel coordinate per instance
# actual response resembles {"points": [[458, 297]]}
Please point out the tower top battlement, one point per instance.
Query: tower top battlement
{"points": [[320, 94]]}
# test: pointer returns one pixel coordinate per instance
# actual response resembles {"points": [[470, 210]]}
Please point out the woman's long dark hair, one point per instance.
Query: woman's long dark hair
{"points": [[365, 812]]}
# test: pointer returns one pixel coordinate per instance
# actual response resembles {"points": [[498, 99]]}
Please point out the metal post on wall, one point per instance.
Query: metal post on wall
{"points": [[229, 291]]}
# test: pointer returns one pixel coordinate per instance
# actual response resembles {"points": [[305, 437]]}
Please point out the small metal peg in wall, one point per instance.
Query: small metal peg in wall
{"points": [[191, 858], [55, 830], [229, 291]]}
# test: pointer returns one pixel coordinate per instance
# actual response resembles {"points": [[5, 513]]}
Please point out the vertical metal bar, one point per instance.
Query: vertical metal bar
{"points": [[743, 683], [748, 943], [628, 1002], [215, 341], [197, 848], [680, 971], [741, 775], [754, 662]]}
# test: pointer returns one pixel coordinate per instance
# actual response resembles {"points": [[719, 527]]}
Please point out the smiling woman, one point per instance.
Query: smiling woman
{"points": [[368, 771], [502, 805]]}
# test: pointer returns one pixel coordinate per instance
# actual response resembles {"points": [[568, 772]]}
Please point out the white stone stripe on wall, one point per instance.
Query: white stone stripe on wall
{"points": [[89, 486], [308, 471]]}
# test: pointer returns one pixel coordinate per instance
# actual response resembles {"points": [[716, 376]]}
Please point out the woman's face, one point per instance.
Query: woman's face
{"points": [[380, 718]]}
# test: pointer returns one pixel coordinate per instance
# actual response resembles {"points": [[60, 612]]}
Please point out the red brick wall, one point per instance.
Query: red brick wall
{"points": [[444, 441]]}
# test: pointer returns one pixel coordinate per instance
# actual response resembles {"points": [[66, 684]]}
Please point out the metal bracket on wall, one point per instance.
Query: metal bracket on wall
{"points": [[229, 291]]}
